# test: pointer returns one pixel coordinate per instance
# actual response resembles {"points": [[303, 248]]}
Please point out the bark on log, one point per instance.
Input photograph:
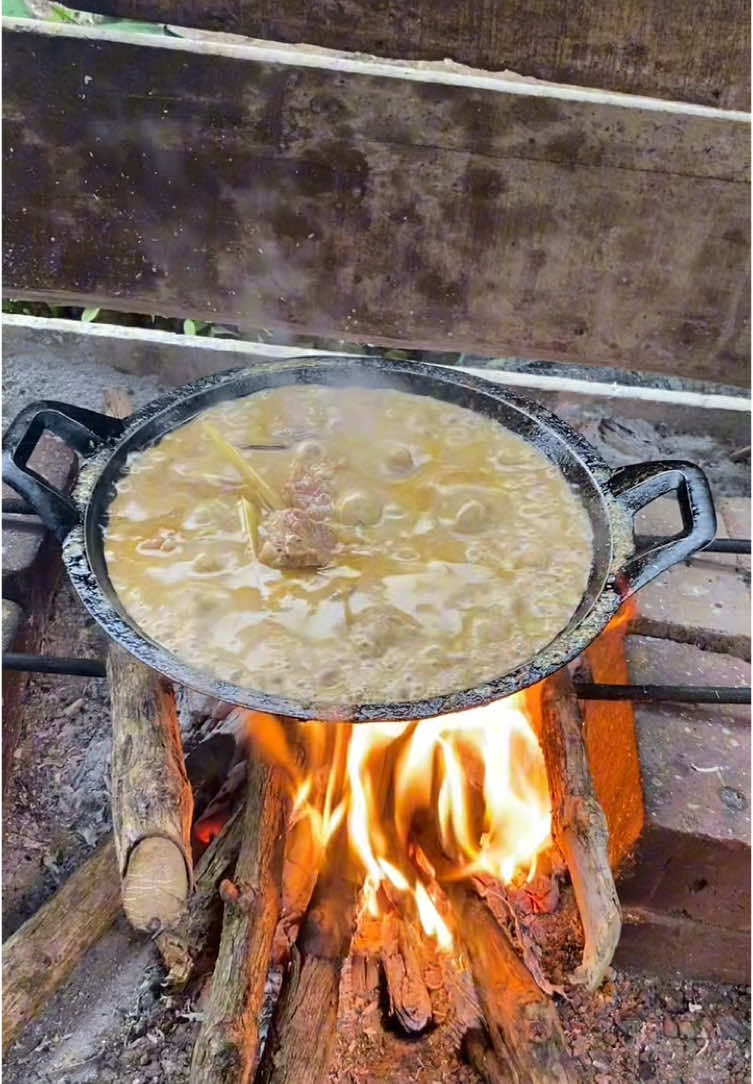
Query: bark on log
{"points": [[579, 828], [228, 1041], [303, 858], [522, 1022], [302, 1034], [479, 1053], [189, 945], [399, 954], [41, 954], [152, 802]]}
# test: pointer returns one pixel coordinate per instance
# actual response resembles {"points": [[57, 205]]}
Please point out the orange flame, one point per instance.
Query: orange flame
{"points": [[458, 795]]}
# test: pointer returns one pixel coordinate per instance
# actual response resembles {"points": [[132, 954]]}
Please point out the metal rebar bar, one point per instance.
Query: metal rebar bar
{"points": [[682, 694], [678, 694], [719, 545], [46, 664]]}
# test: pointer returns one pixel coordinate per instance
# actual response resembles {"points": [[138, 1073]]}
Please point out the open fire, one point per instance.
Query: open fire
{"points": [[412, 804]]}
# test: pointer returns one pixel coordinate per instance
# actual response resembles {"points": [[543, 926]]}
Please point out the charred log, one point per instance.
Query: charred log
{"points": [[228, 1041], [189, 945], [479, 1052], [400, 956], [302, 1034], [522, 1022]]}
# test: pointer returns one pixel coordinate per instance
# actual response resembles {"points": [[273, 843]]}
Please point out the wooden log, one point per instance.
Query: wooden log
{"points": [[400, 957], [302, 1033], [522, 1022], [41, 954], [151, 796], [303, 858], [678, 49], [227, 1045], [385, 212], [479, 1052], [189, 945], [579, 827]]}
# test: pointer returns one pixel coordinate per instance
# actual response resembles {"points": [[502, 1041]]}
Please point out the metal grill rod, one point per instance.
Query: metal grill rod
{"points": [[682, 694]]}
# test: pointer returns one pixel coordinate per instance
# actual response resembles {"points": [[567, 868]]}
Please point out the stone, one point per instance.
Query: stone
{"points": [[671, 946], [12, 616]]}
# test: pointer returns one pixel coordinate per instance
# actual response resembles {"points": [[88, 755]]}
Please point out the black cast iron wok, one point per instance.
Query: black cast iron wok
{"points": [[611, 499]]}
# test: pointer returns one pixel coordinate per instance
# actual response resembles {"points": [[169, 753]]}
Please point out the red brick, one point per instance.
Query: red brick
{"points": [[734, 512], [693, 858], [25, 545], [675, 947], [704, 601], [54, 460]]}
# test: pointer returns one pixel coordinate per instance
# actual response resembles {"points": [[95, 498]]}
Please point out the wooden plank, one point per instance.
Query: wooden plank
{"points": [[175, 359], [193, 181], [690, 50]]}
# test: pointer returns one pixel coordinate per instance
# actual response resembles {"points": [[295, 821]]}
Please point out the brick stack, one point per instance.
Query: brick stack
{"points": [[31, 571], [683, 841]]}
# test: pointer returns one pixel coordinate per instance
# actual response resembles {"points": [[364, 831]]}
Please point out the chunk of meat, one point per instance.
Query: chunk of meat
{"points": [[293, 538], [308, 489]]}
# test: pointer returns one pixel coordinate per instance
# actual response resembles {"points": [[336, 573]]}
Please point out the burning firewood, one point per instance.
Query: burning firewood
{"points": [[152, 802], [302, 1034], [521, 1020], [228, 1041], [41, 954], [189, 945], [579, 828], [400, 957]]}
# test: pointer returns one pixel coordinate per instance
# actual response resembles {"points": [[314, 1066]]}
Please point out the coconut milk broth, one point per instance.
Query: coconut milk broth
{"points": [[461, 551]]}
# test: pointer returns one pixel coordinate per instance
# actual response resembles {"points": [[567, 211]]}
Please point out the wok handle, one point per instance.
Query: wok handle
{"points": [[636, 486], [84, 430]]}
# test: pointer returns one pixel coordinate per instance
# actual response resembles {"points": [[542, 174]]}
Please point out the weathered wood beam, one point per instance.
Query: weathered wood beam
{"points": [[371, 208], [690, 51]]}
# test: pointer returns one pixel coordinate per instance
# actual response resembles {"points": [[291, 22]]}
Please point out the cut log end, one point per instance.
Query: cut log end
{"points": [[155, 885]]}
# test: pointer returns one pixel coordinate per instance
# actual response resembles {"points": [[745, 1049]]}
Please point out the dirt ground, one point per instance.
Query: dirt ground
{"points": [[114, 1021]]}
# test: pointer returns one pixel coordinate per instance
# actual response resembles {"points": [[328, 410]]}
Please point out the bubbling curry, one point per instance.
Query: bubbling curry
{"points": [[347, 545]]}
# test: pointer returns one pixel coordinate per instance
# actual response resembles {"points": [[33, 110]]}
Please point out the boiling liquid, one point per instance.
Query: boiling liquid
{"points": [[461, 550]]}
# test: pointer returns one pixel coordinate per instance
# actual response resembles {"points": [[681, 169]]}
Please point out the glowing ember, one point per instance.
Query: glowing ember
{"points": [[420, 803]]}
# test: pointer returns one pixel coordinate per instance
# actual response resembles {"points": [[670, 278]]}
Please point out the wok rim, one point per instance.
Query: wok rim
{"points": [[565, 646]]}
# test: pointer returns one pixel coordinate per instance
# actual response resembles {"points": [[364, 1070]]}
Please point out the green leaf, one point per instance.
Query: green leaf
{"points": [[189, 327], [89, 314], [62, 15]]}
